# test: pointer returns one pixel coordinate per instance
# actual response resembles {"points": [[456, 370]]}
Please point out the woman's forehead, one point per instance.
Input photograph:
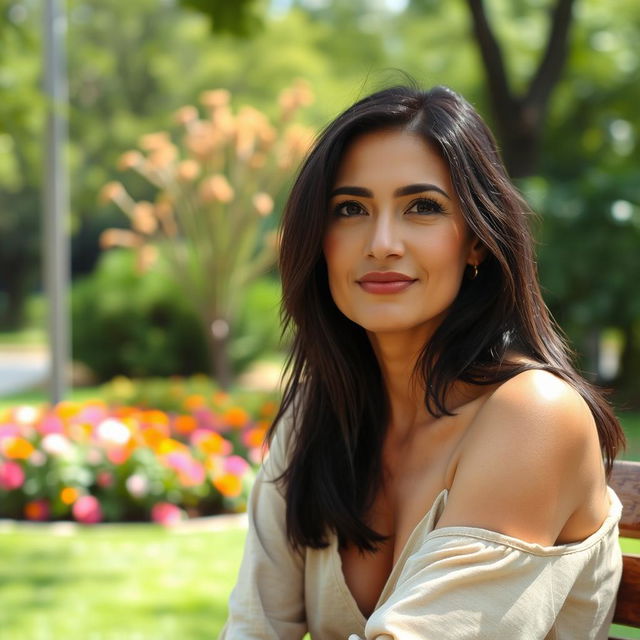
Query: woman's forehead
{"points": [[389, 157]]}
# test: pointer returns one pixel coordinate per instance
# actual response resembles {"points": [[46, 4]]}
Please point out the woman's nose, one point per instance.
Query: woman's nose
{"points": [[385, 240]]}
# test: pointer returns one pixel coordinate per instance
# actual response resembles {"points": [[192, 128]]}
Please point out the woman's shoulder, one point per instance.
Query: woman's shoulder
{"points": [[529, 461]]}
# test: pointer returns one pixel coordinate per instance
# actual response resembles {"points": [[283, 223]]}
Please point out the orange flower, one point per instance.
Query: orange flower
{"points": [[212, 444], [236, 417], [69, 495], [194, 401], [152, 437], [155, 417], [268, 409], [263, 203], [228, 485], [220, 397], [254, 437], [216, 188], [17, 448], [185, 424], [130, 160]]}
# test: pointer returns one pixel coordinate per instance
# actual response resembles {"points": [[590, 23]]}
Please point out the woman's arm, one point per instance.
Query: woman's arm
{"points": [[267, 602]]}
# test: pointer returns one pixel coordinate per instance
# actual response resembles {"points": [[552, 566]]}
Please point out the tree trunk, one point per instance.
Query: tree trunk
{"points": [[520, 118], [218, 341], [627, 383]]}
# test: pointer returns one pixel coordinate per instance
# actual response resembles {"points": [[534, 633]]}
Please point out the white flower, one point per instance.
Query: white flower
{"points": [[55, 444], [26, 414], [113, 431], [137, 485]]}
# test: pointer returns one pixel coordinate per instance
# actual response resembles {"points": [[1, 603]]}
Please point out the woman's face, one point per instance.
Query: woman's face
{"points": [[397, 244]]}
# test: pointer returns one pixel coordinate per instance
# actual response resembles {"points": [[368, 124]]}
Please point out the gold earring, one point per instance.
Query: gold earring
{"points": [[474, 274]]}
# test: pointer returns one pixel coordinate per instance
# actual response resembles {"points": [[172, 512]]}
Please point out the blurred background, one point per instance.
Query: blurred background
{"points": [[186, 122]]}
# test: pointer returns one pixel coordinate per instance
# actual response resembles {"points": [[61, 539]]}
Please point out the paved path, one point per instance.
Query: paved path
{"points": [[22, 368]]}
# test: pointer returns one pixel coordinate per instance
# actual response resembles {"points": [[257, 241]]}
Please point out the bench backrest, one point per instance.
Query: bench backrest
{"points": [[625, 481]]}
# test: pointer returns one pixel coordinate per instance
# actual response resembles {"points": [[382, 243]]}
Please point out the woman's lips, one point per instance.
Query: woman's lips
{"points": [[385, 282]]}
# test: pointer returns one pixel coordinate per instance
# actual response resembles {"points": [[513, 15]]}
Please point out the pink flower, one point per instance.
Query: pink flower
{"points": [[11, 475], [51, 423], [86, 509], [165, 513], [236, 465], [9, 431]]}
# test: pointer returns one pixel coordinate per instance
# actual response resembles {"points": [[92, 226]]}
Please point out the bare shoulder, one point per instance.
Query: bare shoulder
{"points": [[530, 460], [542, 406]]}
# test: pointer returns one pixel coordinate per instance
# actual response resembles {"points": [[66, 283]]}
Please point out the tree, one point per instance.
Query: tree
{"points": [[216, 183], [520, 117]]}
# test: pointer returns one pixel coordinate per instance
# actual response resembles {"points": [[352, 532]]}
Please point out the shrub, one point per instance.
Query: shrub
{"points": [[141, 325]]}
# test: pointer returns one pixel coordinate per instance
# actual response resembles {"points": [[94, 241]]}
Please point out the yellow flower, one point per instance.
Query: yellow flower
{"points": [[228, 485]]}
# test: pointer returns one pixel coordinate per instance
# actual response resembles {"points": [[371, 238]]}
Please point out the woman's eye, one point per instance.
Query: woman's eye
{"points": [[425, 205], [348, 209]]}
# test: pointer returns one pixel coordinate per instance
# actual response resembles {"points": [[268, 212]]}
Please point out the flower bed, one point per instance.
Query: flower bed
{"points": [[109, 460]]}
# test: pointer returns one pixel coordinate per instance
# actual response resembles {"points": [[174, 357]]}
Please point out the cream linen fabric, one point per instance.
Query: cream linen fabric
{"points": [[454, 583]]}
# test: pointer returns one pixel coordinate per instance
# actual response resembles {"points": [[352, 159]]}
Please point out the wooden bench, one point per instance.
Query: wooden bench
{"points": [[625, 481]]}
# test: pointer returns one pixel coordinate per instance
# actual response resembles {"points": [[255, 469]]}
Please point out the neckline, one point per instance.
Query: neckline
{"points": [[615, 510], [397, 567]]}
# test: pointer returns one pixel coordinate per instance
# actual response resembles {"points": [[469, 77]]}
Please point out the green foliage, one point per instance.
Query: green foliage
{"points": [[240, 17], [139, 325], [127, 323]]}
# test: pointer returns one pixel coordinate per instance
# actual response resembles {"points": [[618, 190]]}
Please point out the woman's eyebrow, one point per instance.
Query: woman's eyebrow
{"points": [[352, 191], [408, 190]]}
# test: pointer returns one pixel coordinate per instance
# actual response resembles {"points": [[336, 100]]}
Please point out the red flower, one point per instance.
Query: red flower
{"points": [[37, 510]]}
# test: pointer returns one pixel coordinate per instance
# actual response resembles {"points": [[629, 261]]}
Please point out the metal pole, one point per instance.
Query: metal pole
{"points": [[55, 204]]}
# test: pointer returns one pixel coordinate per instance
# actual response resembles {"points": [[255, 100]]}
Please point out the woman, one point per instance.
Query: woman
{"points": [[437, 468]]}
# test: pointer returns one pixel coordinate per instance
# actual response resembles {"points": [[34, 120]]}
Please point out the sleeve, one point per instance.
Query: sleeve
{"points": [[267, 602], [469, 588]]}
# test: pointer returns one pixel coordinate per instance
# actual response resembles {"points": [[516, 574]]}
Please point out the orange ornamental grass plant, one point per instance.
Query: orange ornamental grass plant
{"points": [[216, 182], [94, 462]]}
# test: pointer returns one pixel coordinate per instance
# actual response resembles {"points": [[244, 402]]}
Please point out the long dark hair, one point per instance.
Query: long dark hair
{"points": [[335, 392]]}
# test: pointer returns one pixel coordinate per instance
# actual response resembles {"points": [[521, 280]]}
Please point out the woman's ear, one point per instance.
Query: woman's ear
{"points": [[477, 253]]}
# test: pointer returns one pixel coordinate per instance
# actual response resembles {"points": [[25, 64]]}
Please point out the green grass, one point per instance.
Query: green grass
{"points": [[128, 582]]}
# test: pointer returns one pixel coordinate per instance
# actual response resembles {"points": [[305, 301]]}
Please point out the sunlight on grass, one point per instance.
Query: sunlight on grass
{"points": [[132, 582], [129, 582]]}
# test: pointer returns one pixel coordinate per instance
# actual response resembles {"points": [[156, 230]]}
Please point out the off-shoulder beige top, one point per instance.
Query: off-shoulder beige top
{"points": [[453, 583]]}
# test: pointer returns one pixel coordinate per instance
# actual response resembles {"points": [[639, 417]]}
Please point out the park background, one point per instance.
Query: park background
{"points": [[186, 121]]}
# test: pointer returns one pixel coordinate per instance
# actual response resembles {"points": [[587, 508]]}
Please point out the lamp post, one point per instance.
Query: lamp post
{"points": [[55, 198]]}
